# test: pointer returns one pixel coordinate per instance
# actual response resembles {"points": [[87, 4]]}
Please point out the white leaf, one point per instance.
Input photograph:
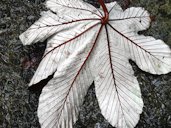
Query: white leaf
{"points": [[86, 44]]}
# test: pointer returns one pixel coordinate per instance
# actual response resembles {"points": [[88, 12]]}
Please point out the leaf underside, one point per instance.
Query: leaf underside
{"points": [[80, 50]]}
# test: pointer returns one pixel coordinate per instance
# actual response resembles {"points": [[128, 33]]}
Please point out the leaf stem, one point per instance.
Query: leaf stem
{"points": [[106, 17]]}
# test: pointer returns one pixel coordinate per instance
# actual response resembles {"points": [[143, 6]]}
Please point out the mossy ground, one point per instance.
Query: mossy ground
{"points": [[18, 105]]}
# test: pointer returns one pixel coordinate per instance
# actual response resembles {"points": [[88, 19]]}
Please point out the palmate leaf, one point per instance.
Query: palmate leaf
{"points": [[86, 44]]}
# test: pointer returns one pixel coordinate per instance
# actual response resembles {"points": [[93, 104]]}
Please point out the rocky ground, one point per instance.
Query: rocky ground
{"points": [[18, 105]]}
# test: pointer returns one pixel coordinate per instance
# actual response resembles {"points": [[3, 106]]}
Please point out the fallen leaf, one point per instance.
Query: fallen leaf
{"points": [[86, 44]]}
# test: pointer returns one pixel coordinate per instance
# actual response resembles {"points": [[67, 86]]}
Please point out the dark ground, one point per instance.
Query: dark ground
{"points": [[17, 65]]}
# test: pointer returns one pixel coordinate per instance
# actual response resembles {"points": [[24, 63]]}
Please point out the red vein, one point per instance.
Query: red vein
{"points": [[69, 22], [112, 70], [135, 43], [70, 39], [127, 18], [81, 67], [77, 8]]}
